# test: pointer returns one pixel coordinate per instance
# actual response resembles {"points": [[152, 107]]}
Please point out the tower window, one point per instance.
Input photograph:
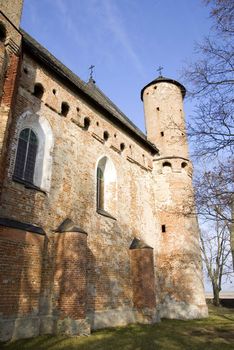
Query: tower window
{"points": [[64, 109], [167, 164], [54, 91], [183, 165], [157, 108], [26, 155], [163, 228], [162, 133], [38, 90]]}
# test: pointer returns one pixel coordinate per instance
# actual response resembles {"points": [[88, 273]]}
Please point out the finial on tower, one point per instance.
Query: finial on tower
{"points": [[160, 68], [91, 68]]}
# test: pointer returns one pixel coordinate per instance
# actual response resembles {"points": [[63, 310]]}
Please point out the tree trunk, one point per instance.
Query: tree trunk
{"points": [[216, 296]]}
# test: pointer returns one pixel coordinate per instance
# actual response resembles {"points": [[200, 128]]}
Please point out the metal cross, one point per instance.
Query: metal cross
{"points": [[91, 72], [160, 68]]}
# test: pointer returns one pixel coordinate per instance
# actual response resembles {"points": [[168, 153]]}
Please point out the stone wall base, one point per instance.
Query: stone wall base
{"points": [[71, 327], [19, 328], [181, 310], [28, 327], [122, 317]]}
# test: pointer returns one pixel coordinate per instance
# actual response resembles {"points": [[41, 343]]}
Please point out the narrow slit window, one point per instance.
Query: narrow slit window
{"points": [[26, 155], [100, 188], [163, 228]]}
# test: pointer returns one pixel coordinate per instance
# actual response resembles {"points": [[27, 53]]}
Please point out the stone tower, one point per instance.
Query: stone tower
{"points": [[179, 286]]}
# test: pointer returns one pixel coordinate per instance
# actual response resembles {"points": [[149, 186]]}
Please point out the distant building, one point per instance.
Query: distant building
{"points": [[95, 226]]}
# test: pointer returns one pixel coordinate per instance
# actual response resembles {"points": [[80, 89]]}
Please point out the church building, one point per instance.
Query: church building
{"points": [[96, 226]]}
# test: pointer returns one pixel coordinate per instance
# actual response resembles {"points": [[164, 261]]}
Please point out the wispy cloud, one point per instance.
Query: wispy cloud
{"points": [[115, 23], [92, 23]]}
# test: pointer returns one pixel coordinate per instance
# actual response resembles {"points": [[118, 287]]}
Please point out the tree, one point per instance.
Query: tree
{"points": [[211, 85], [211, 81], [213, 195]]}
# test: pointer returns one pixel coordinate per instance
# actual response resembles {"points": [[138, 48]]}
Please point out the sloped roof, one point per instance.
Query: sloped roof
{"points": [[88, 90]]}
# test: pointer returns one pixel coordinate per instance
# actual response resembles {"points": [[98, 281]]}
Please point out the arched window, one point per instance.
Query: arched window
{"points": [[167, 168], [26, 155], [106, 186], [33, 142]]}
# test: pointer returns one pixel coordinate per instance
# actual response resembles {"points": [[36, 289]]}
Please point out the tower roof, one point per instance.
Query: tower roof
{"points": [[161, 79]]}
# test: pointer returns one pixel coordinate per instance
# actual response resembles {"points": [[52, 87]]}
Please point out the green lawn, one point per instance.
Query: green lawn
{"points": [[215, 332]]}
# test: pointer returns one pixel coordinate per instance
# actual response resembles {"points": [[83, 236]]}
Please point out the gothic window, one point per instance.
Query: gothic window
{"points": [[26, 155], [106, 186], [34, 144]]}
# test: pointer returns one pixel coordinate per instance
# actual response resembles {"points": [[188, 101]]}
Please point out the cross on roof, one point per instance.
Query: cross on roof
{"points": [[91, 72], [160, 68]]}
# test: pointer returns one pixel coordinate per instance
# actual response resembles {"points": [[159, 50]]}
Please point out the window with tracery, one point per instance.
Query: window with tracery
{"points": [[26, 155]]}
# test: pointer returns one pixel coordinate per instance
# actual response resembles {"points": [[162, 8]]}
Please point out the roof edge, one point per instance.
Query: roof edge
{"points": [[161, 79]]}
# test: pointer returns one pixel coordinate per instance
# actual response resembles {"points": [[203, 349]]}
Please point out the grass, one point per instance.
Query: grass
{"points": [[215, 332]]}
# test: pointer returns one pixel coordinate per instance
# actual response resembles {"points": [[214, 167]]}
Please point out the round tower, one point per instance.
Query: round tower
{"points": [[180, 291], [164, 116]]}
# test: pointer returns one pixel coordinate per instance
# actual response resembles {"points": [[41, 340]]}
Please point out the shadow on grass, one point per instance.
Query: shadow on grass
{"points": [[213, 333]]}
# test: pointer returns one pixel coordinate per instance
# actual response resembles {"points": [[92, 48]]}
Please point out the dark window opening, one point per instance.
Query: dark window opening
{"points": [[26, 156], [167, 164], [163, 228], [64, 109], [106, 135], [122, 146], [162, 133], [25, 70], [97, 123], [2, 33], [38, 90], [100, 188], [183, 165], [86, 123], [155, 87], [54, 91], [157, 108]]}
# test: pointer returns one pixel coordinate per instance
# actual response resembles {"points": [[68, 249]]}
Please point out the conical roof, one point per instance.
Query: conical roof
{"points": [[161, 79]]}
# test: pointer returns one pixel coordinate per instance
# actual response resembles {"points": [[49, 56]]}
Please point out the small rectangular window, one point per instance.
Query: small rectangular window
{"points": [[163, 228]]}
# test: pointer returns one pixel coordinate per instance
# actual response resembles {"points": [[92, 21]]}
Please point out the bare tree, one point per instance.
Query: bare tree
{"points": [[211, 82], [213, 195]]}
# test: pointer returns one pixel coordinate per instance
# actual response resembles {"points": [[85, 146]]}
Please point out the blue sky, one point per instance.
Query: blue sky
{"points": [[126, 40]]}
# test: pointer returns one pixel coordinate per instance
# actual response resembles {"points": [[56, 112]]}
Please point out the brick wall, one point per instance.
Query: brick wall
{"points": [[70, 282], [142, 275], [20, 272]]}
